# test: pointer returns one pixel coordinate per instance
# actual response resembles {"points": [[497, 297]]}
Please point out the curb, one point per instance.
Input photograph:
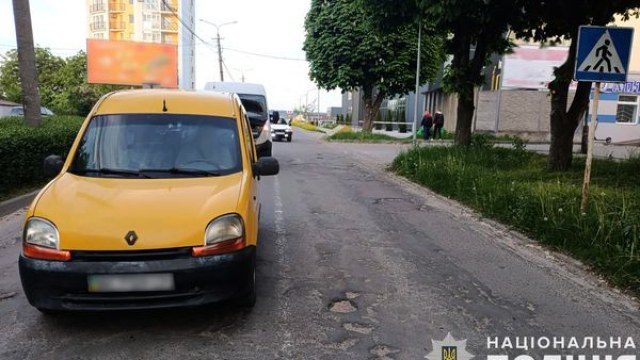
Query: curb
{"points": [[12, 205]]}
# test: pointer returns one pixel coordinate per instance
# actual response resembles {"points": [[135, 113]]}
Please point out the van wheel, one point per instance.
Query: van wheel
{"points": [[249, 299], [289, 138], [51, 313]]}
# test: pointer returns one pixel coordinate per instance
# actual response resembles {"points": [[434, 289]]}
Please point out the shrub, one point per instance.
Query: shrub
{"points": [[402, 122], [23, 149]]}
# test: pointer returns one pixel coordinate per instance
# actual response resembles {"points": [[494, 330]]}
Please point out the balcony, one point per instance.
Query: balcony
{"points": [[117, 25], [169, 26], [95, 8], [98, 26], [170, 9], [117, 7]]}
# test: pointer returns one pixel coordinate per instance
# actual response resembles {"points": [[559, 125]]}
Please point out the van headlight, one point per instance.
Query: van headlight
{"points": [[222, 235], [41, 232], [224, 228]]}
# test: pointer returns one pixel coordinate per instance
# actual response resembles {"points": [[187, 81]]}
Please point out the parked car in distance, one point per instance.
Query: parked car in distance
{"points": [[19, 111], [156, 206], [281, 130]]}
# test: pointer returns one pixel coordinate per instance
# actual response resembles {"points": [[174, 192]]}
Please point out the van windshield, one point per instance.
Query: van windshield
{"points": [[158, 146], [263, 115]]}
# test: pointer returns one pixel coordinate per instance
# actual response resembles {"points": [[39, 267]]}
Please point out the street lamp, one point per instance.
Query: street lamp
{"points": [[218, 26], [242, 71]]}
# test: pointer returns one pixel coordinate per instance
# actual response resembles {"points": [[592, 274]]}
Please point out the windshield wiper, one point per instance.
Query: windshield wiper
{"points": [[182, 171], [109, 171]]}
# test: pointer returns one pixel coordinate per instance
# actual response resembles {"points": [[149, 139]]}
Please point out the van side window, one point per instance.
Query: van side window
{"points": [[248, 137]]}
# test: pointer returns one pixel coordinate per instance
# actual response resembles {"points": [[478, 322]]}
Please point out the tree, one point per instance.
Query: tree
{"points": [[26, 59], [347, 50], [476, 29], [553, 20], [63, 82]]}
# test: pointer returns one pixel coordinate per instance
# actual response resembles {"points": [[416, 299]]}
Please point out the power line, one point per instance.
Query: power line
{"points": [[276, 57], [228, 72], [175, 14]]}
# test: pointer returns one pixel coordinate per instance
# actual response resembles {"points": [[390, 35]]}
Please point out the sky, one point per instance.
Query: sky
{"points": [[273, 28]]}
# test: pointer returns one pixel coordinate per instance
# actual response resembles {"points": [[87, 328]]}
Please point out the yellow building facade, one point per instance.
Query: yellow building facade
{"points": [[134, 20]]}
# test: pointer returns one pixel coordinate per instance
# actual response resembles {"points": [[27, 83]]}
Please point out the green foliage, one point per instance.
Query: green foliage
{"points": [[347, 50], [476, 27], [402, 120], [306, 126], [23, 149], [515, 188], [365, 137], [329, 125], [482, 140], [389, 121], [62, 82]]}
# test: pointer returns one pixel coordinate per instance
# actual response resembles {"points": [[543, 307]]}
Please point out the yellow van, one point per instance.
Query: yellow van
{"points": [[156, 206]]}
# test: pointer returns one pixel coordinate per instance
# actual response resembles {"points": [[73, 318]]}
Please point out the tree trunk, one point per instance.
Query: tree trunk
{"points": [[27, 62], [371, 108], [465, 115], [563, 122]]}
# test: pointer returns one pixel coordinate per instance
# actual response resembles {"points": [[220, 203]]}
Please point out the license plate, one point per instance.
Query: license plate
{"points": [[130, 282]]}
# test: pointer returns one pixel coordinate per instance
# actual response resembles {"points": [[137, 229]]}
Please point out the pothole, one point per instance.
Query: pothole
{"points": [[351, 295], [364, 329], [383, 350], [7, 295], [343, 306]]}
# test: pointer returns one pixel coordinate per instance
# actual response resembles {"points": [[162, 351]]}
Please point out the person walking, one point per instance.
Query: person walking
{"points": [[438, 124], [427, 123]]}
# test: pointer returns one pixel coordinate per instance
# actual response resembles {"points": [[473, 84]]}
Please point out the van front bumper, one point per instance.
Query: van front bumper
{"points": [[58, 285]]}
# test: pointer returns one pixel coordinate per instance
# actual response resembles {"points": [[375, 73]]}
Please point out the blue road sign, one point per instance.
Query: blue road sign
{"points": [[603, 53]]}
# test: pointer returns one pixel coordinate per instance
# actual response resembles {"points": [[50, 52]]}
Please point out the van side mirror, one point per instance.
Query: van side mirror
{"points": [[52, 165], [266, 166]]}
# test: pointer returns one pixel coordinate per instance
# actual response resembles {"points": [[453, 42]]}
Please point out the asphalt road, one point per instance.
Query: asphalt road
{"points": [[353, 263]]}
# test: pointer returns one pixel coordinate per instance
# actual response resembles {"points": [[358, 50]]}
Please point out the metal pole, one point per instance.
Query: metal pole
{"points": [[220, 55], [584, 205], [415, 105]]}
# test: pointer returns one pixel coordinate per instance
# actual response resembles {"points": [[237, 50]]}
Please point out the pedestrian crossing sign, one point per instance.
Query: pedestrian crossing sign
{"points": [[603, 53]]}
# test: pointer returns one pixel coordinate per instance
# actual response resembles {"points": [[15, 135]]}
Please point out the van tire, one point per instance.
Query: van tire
{"points": [[248, 300]]}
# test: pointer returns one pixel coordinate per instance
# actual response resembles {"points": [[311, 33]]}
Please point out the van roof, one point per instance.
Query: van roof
{"points": [[175, 101], [235, 87]]}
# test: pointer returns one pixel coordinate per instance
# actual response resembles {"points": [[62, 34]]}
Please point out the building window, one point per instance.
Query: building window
{"points": [[627, 111], [131, 19]]}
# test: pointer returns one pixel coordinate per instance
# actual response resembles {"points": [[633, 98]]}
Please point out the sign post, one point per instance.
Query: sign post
{"points": [[602, 56]]}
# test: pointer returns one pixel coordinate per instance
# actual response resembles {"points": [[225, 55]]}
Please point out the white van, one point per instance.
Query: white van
{"points": [[254, 99]]}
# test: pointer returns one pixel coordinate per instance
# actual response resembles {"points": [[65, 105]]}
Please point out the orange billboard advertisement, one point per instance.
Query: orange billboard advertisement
{"points": [[132, 63]]}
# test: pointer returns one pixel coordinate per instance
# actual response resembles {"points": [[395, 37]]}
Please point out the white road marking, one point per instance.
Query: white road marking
{"points": [[281, 244]]}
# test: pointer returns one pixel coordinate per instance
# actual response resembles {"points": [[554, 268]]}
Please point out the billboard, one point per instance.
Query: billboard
{"points": [[132, 63], [531, 67]]}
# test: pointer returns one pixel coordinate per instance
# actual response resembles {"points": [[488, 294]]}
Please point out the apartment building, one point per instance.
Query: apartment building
{"points": [[153, 21]]}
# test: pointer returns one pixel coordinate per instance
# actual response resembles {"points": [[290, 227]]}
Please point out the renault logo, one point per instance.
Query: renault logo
{"points": [[131, 237]]}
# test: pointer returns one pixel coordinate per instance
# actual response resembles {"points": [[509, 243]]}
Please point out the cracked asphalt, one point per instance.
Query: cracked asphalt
{"points": [[353, 263]]}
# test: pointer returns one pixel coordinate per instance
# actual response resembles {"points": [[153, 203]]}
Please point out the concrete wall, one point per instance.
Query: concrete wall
{"points": [[522, 112]]}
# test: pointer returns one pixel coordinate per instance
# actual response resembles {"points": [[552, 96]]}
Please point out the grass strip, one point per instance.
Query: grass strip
{"points": [[514, 187]]}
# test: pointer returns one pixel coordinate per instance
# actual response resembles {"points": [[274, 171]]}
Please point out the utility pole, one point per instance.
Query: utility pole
{"points": [[27, 62], [218, 41], [417, 97], [220, 55]]}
